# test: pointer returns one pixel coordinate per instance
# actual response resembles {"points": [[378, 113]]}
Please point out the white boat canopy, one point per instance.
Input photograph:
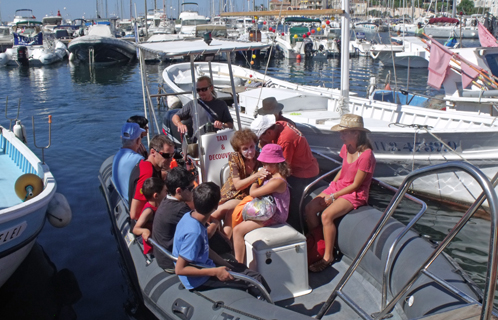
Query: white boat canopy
{"points": [[170, 49]]}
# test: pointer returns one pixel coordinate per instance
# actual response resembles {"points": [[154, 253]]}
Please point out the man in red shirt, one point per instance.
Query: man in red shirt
{"points": [[161, 153], [297, 152]]}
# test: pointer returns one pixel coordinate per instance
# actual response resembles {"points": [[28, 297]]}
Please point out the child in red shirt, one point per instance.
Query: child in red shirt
{"points": [[154, 191]]}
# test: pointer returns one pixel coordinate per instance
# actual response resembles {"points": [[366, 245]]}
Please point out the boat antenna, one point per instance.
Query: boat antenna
{"points": [[269, 55], [6, 116], [49, 137]]}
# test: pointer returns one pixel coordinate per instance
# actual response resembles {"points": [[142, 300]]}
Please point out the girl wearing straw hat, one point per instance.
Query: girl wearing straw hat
{"points": [[349, 189]]}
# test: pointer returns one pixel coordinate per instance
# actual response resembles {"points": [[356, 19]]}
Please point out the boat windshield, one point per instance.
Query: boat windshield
{"points": [[492, 60], [4, 32], [193, 22]]}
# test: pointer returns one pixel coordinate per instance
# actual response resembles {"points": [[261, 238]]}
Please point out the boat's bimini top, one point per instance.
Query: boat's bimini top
{"points": [[198, 46]]}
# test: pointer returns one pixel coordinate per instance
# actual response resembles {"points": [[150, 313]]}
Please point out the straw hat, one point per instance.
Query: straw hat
{"points": [[350, 122], [270, 106]]}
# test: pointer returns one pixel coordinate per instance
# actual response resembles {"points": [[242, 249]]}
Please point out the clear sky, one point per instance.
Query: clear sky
{"points": [[87, 8]]}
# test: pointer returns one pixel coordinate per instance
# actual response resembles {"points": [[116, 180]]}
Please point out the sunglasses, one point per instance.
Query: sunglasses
{"points": [[202, 89], [166, 155], [190, 188]]}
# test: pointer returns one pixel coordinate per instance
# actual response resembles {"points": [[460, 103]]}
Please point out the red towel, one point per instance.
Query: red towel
{"points": [[438, 64]]}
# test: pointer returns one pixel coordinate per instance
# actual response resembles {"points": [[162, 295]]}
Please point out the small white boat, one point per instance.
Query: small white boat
{"points": [[371, 26], [33, 47], [6, 39], [27, 198], [403, 52]]}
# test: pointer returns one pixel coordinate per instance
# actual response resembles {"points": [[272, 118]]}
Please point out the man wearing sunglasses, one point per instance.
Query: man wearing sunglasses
{"points": [[161, 153], [209, 108]]}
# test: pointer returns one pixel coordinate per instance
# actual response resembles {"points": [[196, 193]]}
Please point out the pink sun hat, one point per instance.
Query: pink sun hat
{"points": [[271, 153]]}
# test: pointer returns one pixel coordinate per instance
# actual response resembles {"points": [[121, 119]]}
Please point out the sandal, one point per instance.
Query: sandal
{"points": [[320, 265]]}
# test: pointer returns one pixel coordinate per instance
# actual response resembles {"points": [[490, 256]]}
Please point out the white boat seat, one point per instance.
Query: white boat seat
{"points": [[279, 254], [275, 236]]}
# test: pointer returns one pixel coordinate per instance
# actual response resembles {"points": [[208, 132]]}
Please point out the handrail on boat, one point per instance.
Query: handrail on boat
{"points": [[488, 193], [236, 275]]}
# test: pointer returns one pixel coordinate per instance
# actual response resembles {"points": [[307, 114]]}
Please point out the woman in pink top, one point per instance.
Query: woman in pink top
{"points": [[349, 189]]}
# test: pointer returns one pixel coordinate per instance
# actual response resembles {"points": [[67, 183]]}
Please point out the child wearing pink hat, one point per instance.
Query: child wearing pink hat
{"points": [[275, 184]]}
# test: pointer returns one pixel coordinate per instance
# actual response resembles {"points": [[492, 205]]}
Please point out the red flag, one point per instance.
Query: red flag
{"points": [[468, 74], [438, 64], [485, 37]]}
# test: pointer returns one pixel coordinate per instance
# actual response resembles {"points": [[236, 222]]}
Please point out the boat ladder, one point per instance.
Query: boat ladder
{"points": [[387, 306]]}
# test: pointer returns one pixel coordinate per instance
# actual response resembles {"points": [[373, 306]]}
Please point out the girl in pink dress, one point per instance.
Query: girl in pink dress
{"points": [[349, 189]]}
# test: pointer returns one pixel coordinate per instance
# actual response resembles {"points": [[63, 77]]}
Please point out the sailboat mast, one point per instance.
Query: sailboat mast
{"points": [[453, 11]]}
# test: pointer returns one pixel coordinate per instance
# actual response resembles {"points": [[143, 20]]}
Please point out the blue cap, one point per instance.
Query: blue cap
{"points": [[131, 131]]}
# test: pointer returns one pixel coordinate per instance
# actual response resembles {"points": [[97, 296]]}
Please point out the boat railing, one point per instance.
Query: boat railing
{"points": [[236, 275], [487, 194]]}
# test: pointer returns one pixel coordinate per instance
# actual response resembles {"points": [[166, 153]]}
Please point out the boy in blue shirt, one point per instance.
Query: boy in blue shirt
{"points": [[191, 245]]}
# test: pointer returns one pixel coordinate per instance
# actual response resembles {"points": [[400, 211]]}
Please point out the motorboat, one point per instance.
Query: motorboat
{"points": [[189, 18], [50, 22], [33, 47], [6, 39], [100, 45], [375, 25], [408, 52], [28, 198], [298, 42], [295, 43], [23, 15], [443, 27], [405, 137], [386, 269]]}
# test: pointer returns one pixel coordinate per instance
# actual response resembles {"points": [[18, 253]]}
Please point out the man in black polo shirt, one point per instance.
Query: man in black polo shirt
{"points": [[180, 183]]}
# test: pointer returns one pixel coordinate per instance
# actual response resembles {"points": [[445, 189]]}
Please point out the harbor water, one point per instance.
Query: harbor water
{"points": [[88, 108]]}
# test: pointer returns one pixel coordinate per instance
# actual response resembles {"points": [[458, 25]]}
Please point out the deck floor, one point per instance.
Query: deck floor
{"points": [[358, 288], [10, 173]]}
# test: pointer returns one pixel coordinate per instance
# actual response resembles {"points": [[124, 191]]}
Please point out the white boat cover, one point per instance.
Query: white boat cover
{"points": [[172, 49]]}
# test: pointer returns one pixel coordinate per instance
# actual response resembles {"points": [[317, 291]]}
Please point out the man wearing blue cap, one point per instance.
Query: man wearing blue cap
{"points": [[127, 157]]}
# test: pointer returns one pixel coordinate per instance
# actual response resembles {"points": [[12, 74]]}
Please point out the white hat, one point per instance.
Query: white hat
{"points": [[262, 123]]}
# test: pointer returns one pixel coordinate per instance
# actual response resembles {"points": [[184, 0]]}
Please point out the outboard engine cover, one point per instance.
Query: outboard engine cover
{"points": [[308, 48], [321, 47], [22, 55]]}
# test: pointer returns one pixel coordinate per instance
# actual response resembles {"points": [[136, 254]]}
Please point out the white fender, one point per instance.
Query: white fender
{"points": [[71, 56], [20, 131], [173, 102], [58, 211]]}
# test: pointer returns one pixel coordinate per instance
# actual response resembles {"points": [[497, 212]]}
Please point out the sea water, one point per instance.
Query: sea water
{"points": [[89, 106]]}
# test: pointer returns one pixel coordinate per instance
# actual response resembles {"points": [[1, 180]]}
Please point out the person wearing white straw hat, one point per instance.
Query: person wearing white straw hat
{"points": [[349, 189], [297, 152], [272, 106]]}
